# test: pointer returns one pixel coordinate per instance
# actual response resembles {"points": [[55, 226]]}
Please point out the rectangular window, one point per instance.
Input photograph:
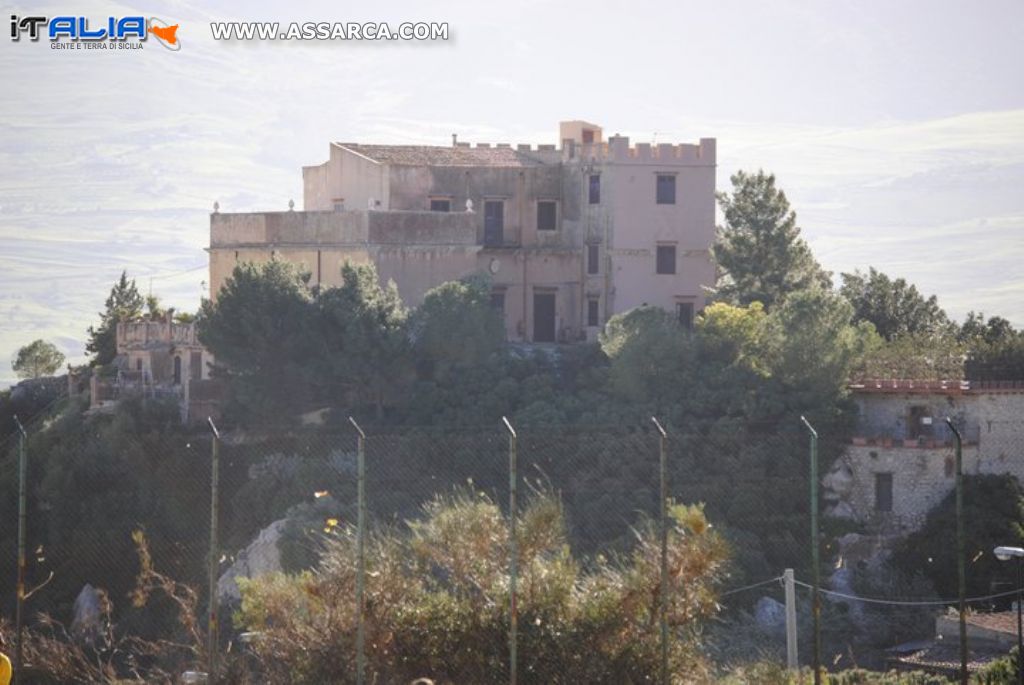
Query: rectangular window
{"points": [[547, 213], [666, 189], [588, 136], [593, 259], [593, 312], [544, 317], [439, 205], [919, 423], [494, 223], [883, 492], [195, 365], [684, 313], [595, 189], [666, 260], [498, 301]]}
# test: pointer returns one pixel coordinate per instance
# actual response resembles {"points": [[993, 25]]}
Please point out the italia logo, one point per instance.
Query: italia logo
{"points": [[83, 29]]}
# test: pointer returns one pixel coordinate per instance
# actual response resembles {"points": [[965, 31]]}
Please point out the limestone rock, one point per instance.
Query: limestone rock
{"points": [[770, 614], [87, 615], [260, 557]]}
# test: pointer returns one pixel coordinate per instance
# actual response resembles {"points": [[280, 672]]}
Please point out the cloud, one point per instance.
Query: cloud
{"points": [[112, 162]]}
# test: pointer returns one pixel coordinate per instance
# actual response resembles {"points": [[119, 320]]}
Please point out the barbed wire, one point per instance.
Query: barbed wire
{"points": [[900, 602], [778, 579]]}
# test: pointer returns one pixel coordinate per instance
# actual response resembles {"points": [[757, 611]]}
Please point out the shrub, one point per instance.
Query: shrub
{"points": [[437, 601]]}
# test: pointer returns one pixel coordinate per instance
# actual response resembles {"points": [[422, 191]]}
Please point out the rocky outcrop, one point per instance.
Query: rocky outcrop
{"points": [[260, 557]]}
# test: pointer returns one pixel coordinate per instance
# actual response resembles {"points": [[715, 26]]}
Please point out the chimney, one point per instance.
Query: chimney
{"points": [[455, 139]]}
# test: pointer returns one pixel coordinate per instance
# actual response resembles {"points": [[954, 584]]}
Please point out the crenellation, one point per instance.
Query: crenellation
{"points": [[617, 148], [426, 214]]}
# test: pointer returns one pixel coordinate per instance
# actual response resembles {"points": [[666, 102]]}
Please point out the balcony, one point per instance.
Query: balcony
{"points": [[896, 434]]}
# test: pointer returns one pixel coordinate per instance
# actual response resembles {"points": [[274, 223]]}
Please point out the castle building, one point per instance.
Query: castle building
{"points": [[569, 236]]}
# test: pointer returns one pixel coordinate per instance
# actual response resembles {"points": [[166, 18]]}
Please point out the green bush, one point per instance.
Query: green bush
{"points": [[773, 673], [437, 601], [992, 517]]}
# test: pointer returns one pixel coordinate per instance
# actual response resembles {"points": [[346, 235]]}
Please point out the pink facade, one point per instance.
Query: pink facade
{"points": [[569, 235]]}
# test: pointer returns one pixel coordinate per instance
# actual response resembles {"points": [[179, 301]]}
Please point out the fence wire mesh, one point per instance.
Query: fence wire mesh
{"points": [[119, 544]]}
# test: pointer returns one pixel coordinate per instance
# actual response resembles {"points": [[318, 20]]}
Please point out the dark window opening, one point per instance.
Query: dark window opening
{"points": [[494, 223], [919, 423], [593, 259], [498, 301], [666, 189], [195, 365], [440, 205], [595, 189], [684, 314], [593, 312], [588, 136], [177, 370], [883, 492], [666, 259], [547, 213], [543, 317], [138, 365]]}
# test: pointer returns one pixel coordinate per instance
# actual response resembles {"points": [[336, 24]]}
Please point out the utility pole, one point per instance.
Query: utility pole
{"points": [[22, 532], [960, 568], [360, 555], [513, 637], [791, 656], [212, 637], [663, 613], [815, 554]]}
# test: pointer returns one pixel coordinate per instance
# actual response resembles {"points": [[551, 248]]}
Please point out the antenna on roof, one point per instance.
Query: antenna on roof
{"points": [[455, 139]]}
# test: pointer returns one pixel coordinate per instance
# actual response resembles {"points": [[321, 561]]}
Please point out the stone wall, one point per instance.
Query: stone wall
{"points": [[922, 469]]}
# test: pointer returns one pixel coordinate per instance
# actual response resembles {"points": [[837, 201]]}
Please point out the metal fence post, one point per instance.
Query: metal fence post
{"points": [[22, 532], [212, 636], [360, 554], [815, 553], [960, 570], [792, 662], [513, 637], [663, 525]]}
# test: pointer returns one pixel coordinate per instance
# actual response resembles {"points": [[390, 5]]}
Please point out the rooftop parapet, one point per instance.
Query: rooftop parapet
{"points": [[617, 149], [146, 333], [353, 227], [904, 386]]}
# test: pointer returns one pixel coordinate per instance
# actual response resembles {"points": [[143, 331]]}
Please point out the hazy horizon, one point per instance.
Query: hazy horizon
{"points": [[896, 130]]}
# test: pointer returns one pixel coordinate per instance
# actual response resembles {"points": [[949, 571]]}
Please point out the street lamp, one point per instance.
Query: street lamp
{"points": [[1005, 554]]}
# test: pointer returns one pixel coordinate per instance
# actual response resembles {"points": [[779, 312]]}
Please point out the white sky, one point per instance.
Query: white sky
{"points": [[896, 128]]}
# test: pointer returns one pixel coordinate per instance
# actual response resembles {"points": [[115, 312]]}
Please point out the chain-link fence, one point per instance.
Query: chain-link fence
{"points": [[118, 543]]}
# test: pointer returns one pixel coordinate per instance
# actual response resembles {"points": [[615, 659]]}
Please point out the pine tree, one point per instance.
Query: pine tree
{"points": [[123, 304], [759, 251]]}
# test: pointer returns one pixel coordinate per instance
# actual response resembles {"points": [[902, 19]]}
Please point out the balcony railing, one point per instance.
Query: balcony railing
{"points": [[938, 434]]}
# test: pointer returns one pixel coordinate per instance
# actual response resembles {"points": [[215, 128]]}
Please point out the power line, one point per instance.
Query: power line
{"points": [[898, 602], [777, 579]]}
